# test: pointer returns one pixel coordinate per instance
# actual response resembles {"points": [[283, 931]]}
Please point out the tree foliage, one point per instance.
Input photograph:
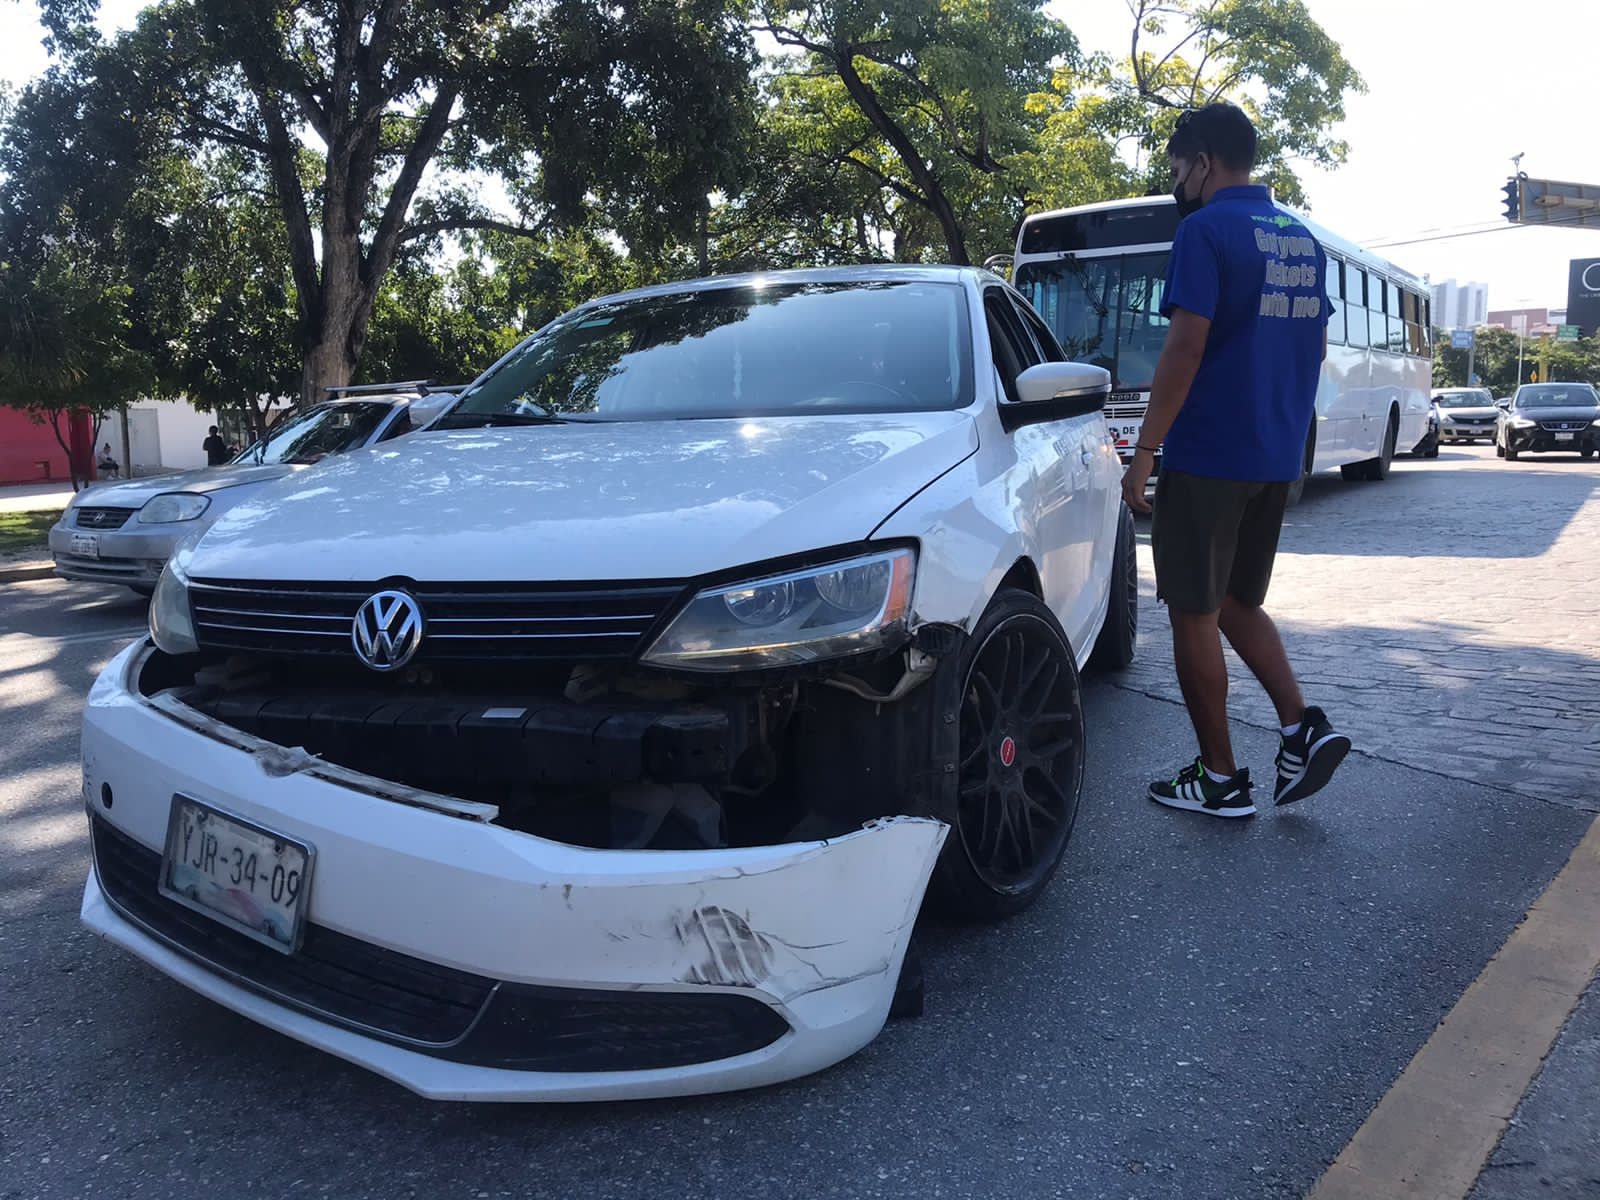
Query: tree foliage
{"points": [[346, 107], [65, 345], [278, 195]]}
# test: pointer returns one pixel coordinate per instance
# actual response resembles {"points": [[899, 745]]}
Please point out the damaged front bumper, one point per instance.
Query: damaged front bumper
{"points": [[469, 961]]}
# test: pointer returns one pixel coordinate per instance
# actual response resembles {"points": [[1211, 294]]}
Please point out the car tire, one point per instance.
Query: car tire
{"points": [[1021, 754], [1509, 452], [1499, 450], [1375, 470], [1585, 453], [1119, 636], [1432, 451]]}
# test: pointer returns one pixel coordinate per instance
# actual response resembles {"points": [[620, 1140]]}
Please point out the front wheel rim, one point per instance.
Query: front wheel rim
{"points": [[1021, 763]]}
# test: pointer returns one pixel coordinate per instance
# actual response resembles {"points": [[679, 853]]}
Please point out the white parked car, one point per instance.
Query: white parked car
{"points": [[125, 532], [601, 740]]}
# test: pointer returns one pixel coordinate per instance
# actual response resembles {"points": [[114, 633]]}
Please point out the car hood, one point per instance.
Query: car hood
{"points": [[1565, 413], [623, 500], [135, 492], [1486, 410]]}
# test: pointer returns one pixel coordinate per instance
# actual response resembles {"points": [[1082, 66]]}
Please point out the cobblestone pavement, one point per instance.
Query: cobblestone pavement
{"points": [[1447, 618]]}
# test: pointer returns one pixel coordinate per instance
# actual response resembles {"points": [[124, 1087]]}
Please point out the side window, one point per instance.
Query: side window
{"points": [[1392, 307], [1411, 310], [1049, 349], [1336, 319], [1377, 317], [1355, 286], [1013, 350]]}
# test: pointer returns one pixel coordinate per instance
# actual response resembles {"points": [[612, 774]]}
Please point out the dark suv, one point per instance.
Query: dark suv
{"points": [[1550, 416]]}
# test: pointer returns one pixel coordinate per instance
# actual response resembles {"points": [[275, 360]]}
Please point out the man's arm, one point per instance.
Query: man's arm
{"points": [[1175, 371]]}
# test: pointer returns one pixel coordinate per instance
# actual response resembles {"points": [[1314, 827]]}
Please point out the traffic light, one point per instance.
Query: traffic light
{"points": [[1513, 200]]}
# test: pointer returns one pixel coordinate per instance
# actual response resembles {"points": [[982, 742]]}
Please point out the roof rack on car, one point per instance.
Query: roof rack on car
{"points": [[422, 387]]}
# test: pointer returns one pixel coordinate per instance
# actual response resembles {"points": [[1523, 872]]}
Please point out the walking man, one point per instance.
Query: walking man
{"points": [[1230, 408]]}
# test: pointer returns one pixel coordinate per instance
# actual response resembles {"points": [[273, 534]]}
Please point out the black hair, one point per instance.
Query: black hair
{"points": [[1220, 130]]}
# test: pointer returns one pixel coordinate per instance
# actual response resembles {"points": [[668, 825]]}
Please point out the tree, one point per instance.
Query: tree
{"points": [[345, 107], [65, 347], [1268, 56], [926, 99]]}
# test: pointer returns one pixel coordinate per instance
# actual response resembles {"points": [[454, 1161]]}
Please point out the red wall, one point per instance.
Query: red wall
{"points": [[23, 445]]}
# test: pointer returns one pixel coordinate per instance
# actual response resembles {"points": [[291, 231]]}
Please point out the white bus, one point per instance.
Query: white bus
{"points": [[1096, 274]]}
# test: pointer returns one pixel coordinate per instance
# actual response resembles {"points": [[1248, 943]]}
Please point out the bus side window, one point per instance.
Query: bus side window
{"points": [[1377, 318], [1336, 318], [1355, 286], [1397, 325], [1411, 310]]}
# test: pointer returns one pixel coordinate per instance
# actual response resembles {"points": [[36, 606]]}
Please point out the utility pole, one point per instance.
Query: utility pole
{"points": [[1520, 324]]}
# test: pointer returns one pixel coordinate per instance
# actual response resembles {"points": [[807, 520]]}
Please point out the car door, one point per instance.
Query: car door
{"points": [[1097, 453], [1054, 501]]}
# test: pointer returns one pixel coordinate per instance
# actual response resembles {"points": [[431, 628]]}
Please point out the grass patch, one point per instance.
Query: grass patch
{"points": [[26, 530]]}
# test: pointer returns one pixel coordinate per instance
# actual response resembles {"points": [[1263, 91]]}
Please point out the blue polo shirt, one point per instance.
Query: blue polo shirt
{"points": [[1260, 278]]}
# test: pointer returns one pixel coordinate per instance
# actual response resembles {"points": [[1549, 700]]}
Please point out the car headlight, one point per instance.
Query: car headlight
{"points": [[171, 620], [1446, 419], [173, 506], [792, 618], [1522, 423]]}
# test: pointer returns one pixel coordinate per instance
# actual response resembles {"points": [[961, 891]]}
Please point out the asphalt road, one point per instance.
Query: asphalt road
{"points": [[1197, 1009]]}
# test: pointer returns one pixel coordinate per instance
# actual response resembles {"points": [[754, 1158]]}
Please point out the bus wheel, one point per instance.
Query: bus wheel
{"points": [[1375, 469]]}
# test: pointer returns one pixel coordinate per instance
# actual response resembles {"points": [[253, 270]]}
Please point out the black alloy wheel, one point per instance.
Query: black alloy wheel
{"points": [[1020, 774]]}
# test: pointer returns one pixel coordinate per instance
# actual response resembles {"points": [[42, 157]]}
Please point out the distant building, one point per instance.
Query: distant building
{"points": [[1460, 305], [1537, 322]]}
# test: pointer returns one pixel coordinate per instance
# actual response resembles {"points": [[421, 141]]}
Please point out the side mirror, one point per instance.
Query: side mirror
{"points": [[1055, 391]]}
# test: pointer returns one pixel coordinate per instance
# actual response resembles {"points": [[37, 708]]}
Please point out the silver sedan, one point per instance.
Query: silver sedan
{"points": [[125, 532]]}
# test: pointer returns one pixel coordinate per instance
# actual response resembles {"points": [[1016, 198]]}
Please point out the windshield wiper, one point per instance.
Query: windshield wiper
{"points": [[463, 420]]}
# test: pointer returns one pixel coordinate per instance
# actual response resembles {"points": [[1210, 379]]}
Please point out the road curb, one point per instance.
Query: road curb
{"points": [[1432, 1133], [25, 573]]}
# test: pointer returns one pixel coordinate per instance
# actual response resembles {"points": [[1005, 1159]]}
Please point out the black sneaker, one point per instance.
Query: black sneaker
{"points": [[1308, 760], [1195, 791]]}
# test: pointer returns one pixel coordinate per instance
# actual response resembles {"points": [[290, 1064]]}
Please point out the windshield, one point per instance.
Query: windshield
{"points": [[323, 430], [1105, 311], [1464, 400], [782, 350], [1558, 395]]}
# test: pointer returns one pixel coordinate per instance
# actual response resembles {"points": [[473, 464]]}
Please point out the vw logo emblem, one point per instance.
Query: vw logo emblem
{"points": [[388, 630]]}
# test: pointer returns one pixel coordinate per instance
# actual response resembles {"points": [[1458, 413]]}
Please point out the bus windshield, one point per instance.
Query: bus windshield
{"points": [[1105, 310]]}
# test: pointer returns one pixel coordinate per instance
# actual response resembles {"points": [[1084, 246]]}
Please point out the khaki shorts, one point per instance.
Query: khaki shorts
{"points": [[1213, 538]]}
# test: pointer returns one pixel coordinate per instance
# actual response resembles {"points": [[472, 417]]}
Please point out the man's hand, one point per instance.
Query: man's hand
{"points": [[1135, 478]]}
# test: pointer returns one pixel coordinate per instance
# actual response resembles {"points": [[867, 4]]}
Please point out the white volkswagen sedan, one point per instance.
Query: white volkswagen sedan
{"points": [[603, 740]]}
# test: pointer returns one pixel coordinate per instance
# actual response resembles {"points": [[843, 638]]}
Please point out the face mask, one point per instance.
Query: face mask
{"points": [[1187, 206]]}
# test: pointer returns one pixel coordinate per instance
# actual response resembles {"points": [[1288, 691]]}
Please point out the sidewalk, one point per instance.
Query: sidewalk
{"points": [[29, 497]]}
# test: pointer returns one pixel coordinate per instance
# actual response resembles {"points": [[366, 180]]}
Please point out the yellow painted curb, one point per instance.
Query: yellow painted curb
{"points": [[1433, 1131]]}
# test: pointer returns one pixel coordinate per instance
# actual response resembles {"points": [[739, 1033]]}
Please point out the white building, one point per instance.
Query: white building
{"points": [[1460, 305], [163, 435]]}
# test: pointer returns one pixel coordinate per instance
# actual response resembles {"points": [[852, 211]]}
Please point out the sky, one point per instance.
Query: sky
{"points": [[1454, 91]]}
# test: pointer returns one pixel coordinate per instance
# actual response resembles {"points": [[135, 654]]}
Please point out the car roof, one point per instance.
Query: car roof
{"points": [[901, 272]]}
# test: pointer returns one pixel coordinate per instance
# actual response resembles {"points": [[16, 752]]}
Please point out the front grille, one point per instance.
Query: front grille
{"points": [[462, 622], [436, 1010], [1126, 412], [350, 981], [1563, 426], [1477, 421], [101, 518]]}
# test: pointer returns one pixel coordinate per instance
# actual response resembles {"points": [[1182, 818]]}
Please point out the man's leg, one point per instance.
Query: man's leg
{"points": [[1193, 536], [1203, 676], [1255, 639]]}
